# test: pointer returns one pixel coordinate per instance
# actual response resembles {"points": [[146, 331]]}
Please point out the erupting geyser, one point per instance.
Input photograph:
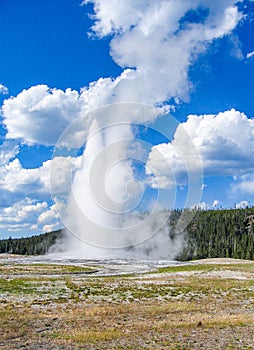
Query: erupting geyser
{"points": [[108, 209], [106, 206]]}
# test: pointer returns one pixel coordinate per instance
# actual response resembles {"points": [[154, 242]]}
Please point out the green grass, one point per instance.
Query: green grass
{"points": [[17, 286], [245, 267], [43, 269]]}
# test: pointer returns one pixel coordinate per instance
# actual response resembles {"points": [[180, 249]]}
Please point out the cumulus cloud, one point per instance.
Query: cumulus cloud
{"points": [[29, 214], [40, 114], [50, 218], [24, 211], [223, 142], [33, 212], [151, 15], [3, 90], [16, 179], [155, 42]]}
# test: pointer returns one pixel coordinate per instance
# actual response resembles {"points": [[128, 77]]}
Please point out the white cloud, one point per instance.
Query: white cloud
{"points": [[242, 204], [12, 185], [3, 90], [48, 215], [156, 39], [206, 206], [16, 182], [201, 206], [152, 37], [14, 178], [8, 150], [25, 210], [215, 203], [244, 184], [250, 54], [149, 15], [40, 114], [224, 143], [29, 214], [50, 219]]}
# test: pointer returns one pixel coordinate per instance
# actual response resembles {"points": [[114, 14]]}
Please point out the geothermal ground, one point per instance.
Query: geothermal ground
{"points": [[55, 303]]}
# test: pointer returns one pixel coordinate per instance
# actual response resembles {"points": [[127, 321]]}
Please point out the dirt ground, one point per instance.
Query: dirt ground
{"points": [[207, 304]]}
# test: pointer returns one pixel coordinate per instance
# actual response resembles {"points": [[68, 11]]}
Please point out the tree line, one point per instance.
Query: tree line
{"points": [[220, 234], [35, 245], [211, 234]]}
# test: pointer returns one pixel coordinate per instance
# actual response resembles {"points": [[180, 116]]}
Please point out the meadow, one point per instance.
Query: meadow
{"points": [[203, 305]]}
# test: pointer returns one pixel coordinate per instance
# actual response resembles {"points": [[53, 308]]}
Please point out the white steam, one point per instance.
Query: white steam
{"points": [[155, 42]]}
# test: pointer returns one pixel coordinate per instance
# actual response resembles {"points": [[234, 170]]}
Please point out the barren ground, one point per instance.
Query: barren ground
{"points": [[57, 305]]}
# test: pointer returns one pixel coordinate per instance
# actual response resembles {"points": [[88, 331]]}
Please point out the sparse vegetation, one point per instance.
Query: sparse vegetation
{"points": [[184, 307], [204, 306]]}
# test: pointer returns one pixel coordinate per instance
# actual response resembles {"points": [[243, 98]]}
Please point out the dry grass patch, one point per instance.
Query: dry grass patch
{"points": [[92, 336], [172, 311]]}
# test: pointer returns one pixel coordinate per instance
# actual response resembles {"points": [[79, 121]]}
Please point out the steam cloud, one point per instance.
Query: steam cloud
{"points": [[155, 42]]}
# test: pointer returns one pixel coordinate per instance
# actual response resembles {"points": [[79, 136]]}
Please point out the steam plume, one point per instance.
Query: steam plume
{"points": [[155, 42]]}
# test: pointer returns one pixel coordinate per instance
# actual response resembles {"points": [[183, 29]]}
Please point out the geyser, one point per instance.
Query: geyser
{"points": [[155, 43], [108, 208]]}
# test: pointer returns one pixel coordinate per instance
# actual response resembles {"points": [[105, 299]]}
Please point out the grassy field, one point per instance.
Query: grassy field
{"points": [[201, 306]]}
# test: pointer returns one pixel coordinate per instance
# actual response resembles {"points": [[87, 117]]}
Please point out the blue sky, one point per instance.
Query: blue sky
{"points": [[196, 57]]}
